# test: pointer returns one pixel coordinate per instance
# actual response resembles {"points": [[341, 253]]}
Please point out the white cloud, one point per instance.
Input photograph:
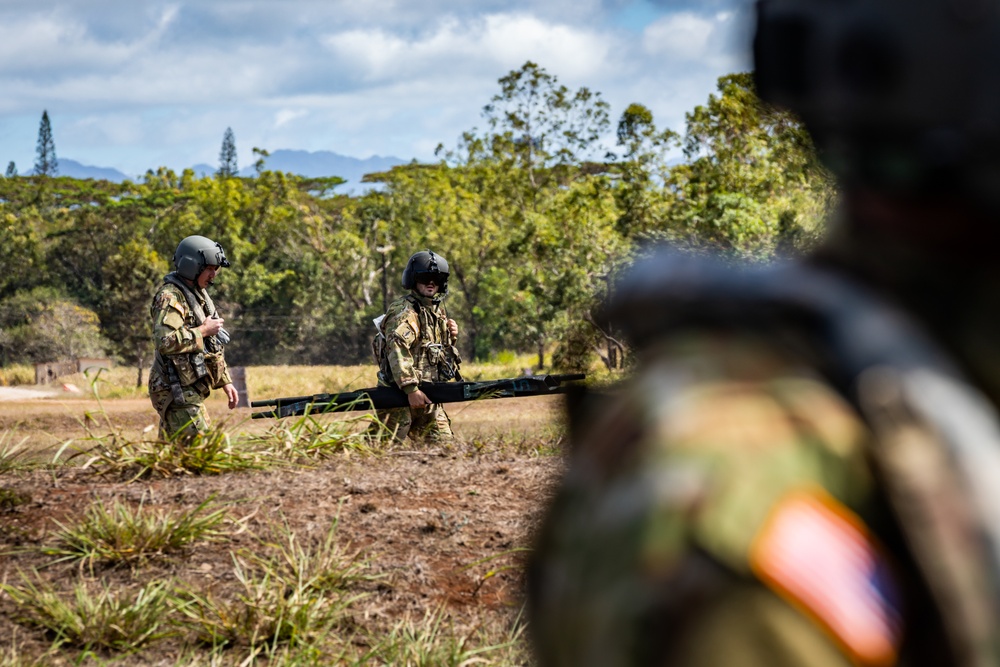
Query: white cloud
{"points": [[157, 82], [286, 116], [484, 44], [684, 36]]}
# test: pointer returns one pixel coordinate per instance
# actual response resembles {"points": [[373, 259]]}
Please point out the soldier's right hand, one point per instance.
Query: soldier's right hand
{"points": [[418, 399], [211, 326]]}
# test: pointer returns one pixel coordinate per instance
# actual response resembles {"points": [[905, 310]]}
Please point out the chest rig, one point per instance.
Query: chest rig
{"points": [[433, 354], [183, 370]]}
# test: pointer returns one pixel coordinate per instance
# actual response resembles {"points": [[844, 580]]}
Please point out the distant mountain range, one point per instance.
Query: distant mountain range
{"points": [[74, 169], [303, 163]]}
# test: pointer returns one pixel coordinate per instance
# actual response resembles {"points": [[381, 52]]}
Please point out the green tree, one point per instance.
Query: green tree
{"points": [[44, 325], [227, 156], [22, 252], [752, 183], [545, 122], [538, 128], [130, 277], [46, 162], [11, 170], [482, 206], [641, 171], [560, 259]]}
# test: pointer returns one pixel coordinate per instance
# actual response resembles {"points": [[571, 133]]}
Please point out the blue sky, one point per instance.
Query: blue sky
{"points": [[137, 84]]}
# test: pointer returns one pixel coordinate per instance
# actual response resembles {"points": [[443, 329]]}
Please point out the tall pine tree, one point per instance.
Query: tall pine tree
{"points": [[227, 156], [46, 162], [11, 170]]}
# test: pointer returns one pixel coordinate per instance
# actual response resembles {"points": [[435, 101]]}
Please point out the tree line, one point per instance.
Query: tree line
{"points": [[534, 214]]}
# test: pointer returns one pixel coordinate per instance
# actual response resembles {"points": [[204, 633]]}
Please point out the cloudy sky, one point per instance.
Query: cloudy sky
{"points": [[135, 84]]}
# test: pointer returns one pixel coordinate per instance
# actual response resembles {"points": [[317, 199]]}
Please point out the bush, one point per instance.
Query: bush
{"points": [[15, 374], [42, 325]]}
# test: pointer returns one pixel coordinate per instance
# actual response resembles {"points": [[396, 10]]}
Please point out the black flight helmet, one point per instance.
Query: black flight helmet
{"points": [[426, 263]]}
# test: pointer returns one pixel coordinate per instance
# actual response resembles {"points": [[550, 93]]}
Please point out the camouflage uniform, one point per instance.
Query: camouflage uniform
{"points": [[415, 346], [180, 343], [805, 467], [782, 482]]}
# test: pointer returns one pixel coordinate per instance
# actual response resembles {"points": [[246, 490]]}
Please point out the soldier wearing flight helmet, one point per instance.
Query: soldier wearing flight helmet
{"points": [[416, 343], [189, 339]]}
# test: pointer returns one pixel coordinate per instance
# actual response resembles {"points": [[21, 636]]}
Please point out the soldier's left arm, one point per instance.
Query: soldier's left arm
{"points": [[451, 341], [222, 379]]}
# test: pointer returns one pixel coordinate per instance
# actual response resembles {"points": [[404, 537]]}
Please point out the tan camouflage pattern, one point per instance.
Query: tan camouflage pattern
{"points": [[418, 344], [418, 348], [180, 422], [176, 336], [430, 424], [644, 556]]}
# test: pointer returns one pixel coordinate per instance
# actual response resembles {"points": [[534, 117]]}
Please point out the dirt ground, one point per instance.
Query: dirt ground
{"points": [[442, 527]]}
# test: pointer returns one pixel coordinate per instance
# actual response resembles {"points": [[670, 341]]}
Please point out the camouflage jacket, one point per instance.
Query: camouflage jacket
{"points": [[416, 345], [782, 453], [179, 342]]}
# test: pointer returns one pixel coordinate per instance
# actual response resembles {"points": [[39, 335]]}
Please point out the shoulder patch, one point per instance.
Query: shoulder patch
{"points": [[405, 332], [819, 556], [168, 298], [173, 319]]}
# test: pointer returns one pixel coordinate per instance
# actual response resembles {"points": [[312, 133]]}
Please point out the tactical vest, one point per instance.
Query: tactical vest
{"points": [[184, 370], [433, 355], [937, 438]]}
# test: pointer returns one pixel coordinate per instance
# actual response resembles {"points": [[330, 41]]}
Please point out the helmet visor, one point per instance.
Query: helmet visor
{"points": [[432, 277], [216, 257]]}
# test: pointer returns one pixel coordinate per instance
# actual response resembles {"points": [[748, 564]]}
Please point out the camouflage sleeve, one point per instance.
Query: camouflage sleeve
{"points": [[226, 377], [401, 334], [170, 334], [664, 517], [218, 369]]}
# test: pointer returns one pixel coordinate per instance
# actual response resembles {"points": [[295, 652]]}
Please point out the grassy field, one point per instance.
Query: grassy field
{"points": [[270, 381], [281, 542]]}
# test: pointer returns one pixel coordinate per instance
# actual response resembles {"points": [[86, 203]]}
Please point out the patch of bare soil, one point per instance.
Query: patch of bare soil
{"points": [[440, 527]]}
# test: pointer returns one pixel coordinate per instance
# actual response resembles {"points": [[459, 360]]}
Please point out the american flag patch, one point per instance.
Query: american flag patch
{"points": [[818, 555]]}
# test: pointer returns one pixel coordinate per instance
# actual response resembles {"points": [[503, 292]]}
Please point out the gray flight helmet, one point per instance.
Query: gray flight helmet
{"points": [[194, 253], [423, 263], [897, 94]]}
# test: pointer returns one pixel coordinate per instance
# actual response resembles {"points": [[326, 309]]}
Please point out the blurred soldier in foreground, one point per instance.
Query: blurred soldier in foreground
{"points": [[189, 339], [416, 343], [805, 468]]}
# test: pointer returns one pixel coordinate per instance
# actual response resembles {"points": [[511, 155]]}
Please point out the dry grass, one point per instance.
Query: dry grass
{"points": [[272, 381], [413, 559], [337, 554], [46, 424]]}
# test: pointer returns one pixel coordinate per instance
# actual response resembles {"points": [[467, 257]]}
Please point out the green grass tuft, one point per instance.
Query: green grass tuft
{"points": [[313, 438], [119, 534], [291, 594], [434, 641], [94, 620], [209, 453], [14, 455]]}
